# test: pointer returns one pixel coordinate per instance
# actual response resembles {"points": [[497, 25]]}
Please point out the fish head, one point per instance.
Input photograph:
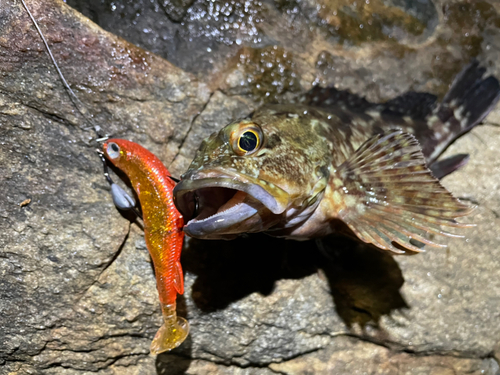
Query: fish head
{"points": [[253, 175]]}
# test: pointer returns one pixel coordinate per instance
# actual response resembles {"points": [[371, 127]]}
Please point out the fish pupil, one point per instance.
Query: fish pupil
{"points": [[248, 141], [114, 147]]}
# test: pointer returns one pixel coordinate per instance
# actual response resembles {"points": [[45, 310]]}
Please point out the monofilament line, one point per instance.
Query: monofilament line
{"points": [[77, 102]]}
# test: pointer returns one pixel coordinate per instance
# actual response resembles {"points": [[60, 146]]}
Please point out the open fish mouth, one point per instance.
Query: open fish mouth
{"points": [[216, 202]]}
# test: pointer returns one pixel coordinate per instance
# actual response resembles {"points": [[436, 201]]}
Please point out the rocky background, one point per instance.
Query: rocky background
{"points": [[77, 293]]}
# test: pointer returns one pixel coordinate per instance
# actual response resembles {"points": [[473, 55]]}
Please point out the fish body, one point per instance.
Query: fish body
{"points": [[296, 170], [163, 233]]}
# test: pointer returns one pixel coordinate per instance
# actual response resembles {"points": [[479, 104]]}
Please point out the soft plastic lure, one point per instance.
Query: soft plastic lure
{"points": [[162, 230], [162, 221]]}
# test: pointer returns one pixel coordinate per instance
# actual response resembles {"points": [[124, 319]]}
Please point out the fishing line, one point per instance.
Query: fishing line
{"points": [[73, 97], [76, 102]]}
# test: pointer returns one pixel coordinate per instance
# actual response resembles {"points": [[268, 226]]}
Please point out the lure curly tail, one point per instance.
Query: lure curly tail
{"points": [[172, 333]]}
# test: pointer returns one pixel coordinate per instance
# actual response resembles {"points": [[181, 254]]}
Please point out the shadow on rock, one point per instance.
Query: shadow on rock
{"points": [[172, 363], [364, 282], [228, 271]]}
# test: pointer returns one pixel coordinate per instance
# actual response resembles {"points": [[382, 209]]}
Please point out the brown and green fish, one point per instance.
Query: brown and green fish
{"points": [[296, 170]]}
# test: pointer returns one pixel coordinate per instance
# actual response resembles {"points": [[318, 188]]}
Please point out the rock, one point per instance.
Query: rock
{"points": [[60, 250], [350, 356], [77, 292]]}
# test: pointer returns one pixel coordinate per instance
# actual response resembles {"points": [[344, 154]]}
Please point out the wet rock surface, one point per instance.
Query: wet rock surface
{"points": [[77, 293]]}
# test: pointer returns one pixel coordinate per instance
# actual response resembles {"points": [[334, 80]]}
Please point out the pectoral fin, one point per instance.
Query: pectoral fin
{"points": [[390, 196]]}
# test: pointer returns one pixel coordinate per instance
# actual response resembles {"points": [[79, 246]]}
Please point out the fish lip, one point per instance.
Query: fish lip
{"points": [[269, 195], [219, 222]]}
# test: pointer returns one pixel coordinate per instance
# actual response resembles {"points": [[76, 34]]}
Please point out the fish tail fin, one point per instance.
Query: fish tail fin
{"points": [[470, 98], [172, 333]]}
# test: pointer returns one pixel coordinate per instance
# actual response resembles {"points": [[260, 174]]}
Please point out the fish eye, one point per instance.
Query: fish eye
{"points": [[113, 150], [246, 139]]}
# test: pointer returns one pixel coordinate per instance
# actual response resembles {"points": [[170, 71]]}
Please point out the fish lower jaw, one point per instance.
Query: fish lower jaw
{"points": [[221, 222], [222, 217]]}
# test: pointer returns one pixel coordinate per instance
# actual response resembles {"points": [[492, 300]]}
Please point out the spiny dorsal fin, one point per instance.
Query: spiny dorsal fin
{"points": [[391, 196]]}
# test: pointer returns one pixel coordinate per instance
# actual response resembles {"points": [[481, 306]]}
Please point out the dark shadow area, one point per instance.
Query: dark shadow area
{"points": [[364, 282], [175, 362], [228, 271]]}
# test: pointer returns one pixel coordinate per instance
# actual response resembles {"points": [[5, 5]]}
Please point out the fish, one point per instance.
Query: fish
{"points": [[331, 159], [163, 231]]}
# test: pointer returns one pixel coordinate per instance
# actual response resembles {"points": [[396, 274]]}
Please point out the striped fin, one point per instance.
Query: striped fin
{"points": [[470, 98], [390, 195]]}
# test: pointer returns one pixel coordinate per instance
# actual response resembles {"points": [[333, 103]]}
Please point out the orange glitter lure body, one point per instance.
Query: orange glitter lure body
{"points": [[162, 231]]}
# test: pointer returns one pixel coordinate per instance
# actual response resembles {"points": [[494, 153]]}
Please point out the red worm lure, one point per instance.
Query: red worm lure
{"points": [[162, 230]]}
